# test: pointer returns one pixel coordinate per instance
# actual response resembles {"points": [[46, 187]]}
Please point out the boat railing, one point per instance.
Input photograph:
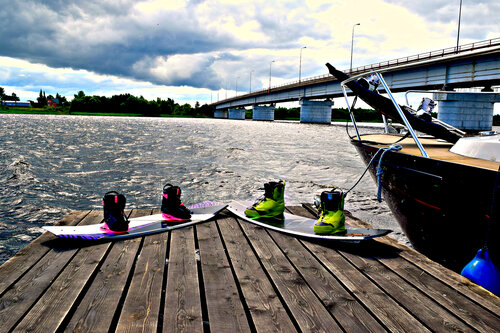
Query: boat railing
{"points": [[435, 120], [396, 105], [442, 123]]}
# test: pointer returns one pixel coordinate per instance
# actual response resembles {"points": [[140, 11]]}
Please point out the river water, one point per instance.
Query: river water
{"points": [[51, 165]]}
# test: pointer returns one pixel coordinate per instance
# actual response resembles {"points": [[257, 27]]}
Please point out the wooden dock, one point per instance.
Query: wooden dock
{"points": [[227, 275]]}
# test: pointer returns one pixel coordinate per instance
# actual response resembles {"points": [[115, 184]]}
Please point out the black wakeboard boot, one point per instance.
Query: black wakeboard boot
{"points": [[172, 209], [114, 218]]}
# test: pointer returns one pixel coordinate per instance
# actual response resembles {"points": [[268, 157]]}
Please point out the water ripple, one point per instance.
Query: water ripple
{"points": [[50, 165]]}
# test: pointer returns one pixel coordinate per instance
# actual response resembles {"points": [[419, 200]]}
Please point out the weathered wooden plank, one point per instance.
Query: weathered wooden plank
{"points": [[443, 286], [97, 309], [225, 310], [141, 307], [22, 295], [350, 314], [454, 280], [21, 262], [470, 312], [446, 276], [182, 312], [390, 313], [268, 313], [51, 309], [308, 311], [418, 304], [377, 300], [48, 292]]}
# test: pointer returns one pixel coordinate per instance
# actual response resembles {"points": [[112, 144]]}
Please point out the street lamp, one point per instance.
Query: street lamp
{"points": [[300, 61], [459, 16], [250, 90], [352, 45], [270, 75], [236, 86]]}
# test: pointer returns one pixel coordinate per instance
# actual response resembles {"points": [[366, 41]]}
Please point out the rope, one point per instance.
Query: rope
{"points": [[393, 147]]}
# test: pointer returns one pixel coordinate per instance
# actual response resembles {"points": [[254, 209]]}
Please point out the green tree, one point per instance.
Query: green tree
{"points": [[42, 100], [80, 95], [496, 120], [62, 99], [206, 111]]}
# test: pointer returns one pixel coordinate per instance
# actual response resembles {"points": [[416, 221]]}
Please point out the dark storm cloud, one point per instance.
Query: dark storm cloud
{"points": [[110, 37], [103, 37]]}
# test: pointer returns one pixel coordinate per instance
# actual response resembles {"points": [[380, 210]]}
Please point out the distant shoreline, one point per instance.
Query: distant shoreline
{"points": [[96, 114], [44, 111], [39, 111]]}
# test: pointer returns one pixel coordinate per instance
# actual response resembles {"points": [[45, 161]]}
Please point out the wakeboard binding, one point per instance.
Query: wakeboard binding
{"points": [[172, 208], [272, 205], [332, 218], [114, 217]]}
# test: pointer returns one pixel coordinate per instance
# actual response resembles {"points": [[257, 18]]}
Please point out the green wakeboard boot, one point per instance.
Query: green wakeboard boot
{"points": [[272, 205], [332, 218]]}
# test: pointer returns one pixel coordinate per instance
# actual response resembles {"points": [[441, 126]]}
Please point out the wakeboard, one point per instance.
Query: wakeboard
{"points": [[303, 226], [139, 226]]}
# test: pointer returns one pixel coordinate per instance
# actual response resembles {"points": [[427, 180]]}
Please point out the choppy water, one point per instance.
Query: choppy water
{"points": [[51, 165]]}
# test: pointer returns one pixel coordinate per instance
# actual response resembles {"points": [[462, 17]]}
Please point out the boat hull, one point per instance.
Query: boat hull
{"points": [[443, 208]]}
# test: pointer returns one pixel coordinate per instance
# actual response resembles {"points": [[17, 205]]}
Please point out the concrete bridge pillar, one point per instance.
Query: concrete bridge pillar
{"points": [[262, 112], [237, 114], [316, 111], [467, 111], [220, 114]]}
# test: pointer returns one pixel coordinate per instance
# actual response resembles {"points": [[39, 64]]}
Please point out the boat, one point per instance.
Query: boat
{"points": [[440, 186]]}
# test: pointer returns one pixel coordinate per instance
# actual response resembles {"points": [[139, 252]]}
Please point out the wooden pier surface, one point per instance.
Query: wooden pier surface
{"points": [[227, 275]]}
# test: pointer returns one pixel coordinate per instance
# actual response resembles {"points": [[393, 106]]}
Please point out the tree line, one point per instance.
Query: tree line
{"points": [[123, 104], [5, 97], [42, 99], [127, 104]]}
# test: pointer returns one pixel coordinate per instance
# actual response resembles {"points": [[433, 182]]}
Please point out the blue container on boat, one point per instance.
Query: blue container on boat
{"points": [[483, 272]]}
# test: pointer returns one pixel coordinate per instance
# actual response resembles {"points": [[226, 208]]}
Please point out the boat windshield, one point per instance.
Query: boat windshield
{"points": [[484, 147]]}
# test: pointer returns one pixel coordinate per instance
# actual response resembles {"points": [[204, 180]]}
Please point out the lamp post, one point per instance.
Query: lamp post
{"points": [[300, 62], [459, 16], [250, 89], [352, 45], [270, 75], [236, 86]]}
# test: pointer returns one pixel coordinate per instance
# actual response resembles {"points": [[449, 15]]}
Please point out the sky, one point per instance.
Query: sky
{"points": [[204, 50]]}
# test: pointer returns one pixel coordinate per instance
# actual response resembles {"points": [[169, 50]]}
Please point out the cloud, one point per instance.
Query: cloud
{"points": [[26, 79], [479, 16], [212, 44], [121, 37]]}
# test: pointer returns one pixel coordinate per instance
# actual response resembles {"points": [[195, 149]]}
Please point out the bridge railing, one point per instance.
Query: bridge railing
{"points": [[384, 64], [430, 55]]}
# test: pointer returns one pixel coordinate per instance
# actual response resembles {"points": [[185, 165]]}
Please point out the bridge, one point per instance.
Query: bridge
{"points": [[470, 65]]}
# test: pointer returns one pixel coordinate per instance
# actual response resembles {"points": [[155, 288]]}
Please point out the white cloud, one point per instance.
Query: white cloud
{"points": [[111, 46], [154, 6]]}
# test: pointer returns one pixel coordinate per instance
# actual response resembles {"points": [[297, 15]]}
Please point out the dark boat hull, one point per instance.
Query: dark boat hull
{"points": [[444, 208]]}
